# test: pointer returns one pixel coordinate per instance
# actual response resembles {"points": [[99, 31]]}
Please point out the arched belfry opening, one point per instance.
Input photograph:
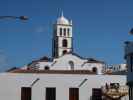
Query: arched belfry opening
{"points": [[94, 69], [64, 52], [64, 43], [62, 37]]}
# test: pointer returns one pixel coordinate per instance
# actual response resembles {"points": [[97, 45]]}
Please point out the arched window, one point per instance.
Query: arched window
{"points": [[60, 31], [64, 43], [64, 52], [94, 69], [64, 31], [68, 31], [71, 63], [46, 67]]}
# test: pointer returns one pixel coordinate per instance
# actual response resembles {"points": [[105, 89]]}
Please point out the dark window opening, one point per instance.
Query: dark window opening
{"points": [[28, 68], [130, 93], [64, 52], [47, 68], [68, 31], [94, 69], [64, 42], [64, 31], [73, 93], [96, 94], [131, 63], [60, 31], [26, 93], [50, 93], [71, 63]]}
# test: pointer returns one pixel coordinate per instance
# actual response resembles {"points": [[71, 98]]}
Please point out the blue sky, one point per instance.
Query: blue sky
{"points": [[100, 28]]}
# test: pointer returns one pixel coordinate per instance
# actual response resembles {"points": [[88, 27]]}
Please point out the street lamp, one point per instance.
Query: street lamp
{"points": [[15, 17]]}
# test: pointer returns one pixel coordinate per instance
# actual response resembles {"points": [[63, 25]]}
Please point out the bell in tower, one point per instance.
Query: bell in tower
{"points": [[62, 37]]}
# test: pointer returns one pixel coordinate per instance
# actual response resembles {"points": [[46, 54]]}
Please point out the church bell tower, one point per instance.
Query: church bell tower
{"points": [[62, 37]]}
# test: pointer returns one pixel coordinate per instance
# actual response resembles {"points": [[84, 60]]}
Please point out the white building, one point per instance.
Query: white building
{"points": [[63, 57], [116, 68], [64, 76]]}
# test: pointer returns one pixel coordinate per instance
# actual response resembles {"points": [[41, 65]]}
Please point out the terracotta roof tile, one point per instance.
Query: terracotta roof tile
{"points": [[53, 71]]}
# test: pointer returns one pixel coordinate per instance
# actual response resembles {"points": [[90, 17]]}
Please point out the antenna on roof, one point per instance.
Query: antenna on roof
{"points": [[62, 13]]}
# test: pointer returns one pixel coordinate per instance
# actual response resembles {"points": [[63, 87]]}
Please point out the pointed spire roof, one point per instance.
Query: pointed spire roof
{"points": [[62, 20], [62, 15]]}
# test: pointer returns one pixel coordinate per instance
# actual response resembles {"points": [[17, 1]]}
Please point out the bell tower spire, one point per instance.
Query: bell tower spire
{"points": [[62, 15], [62, 37]]}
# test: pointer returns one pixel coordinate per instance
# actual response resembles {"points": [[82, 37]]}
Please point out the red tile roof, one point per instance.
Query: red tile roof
{"points": [[53, 71]]}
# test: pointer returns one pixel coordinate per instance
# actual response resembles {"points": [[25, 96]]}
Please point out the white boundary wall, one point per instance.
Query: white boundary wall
{"points": [[11, 83]]}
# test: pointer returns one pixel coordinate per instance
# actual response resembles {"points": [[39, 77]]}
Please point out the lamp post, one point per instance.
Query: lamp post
{"points": [[24, 18]]}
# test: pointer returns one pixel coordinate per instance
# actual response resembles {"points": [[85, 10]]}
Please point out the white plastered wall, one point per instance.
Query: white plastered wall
{"points": [[10, 84]]}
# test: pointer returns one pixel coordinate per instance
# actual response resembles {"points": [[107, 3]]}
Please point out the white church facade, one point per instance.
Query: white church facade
{"points": [[63, 57], [64, 76]]}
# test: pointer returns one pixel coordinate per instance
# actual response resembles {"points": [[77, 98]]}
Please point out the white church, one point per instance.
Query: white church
{"points": [[64, 76]]}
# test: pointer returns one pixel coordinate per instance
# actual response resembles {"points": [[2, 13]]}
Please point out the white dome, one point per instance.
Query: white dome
{"points": [[62, 20]]}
